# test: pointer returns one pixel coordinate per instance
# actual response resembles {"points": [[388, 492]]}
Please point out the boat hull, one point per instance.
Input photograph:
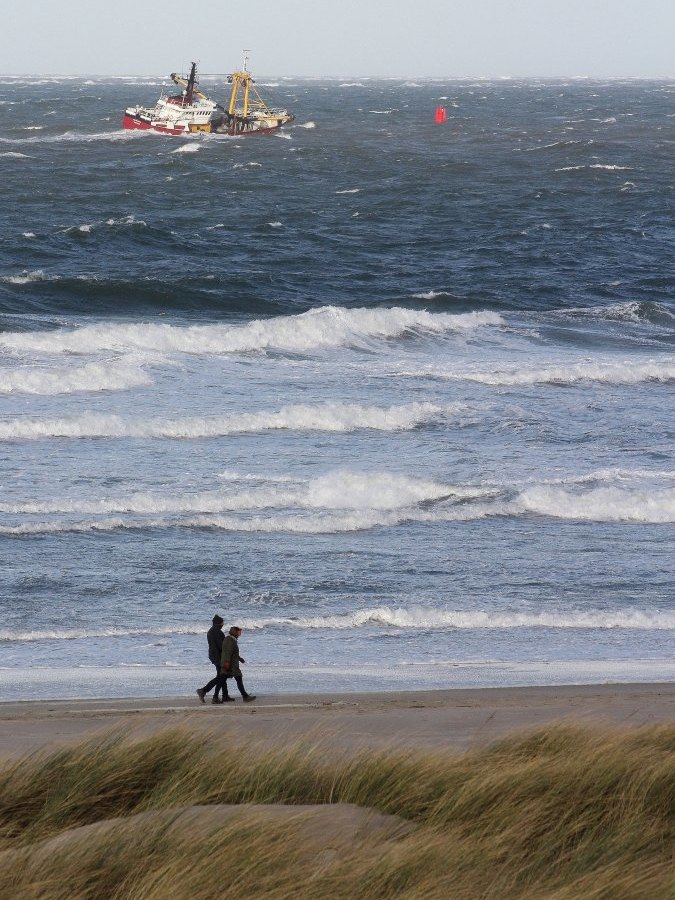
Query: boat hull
{"points": [[134, 123], [138, 124]]}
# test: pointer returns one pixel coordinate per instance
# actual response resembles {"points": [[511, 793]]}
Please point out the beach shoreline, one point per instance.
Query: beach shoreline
{"points": [[455, 719]]}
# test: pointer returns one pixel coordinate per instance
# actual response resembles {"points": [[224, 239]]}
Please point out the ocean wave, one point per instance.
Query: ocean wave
{"points": [[608, 167], [74, 137], [553, 146], [432, 295], [601, 504], [324, 327], [637, 312], [324, 509], [330, 416], [25, 277], [349, 500], [114, 376], [130, 222], [187, 148], [340, 490], [626, 372], [417, 617]]}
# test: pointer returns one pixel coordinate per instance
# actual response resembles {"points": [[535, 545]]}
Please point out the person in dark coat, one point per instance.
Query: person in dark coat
{"points": [[230, 659], [215, 638]]}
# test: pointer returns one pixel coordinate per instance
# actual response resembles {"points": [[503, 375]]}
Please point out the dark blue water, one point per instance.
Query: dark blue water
{"points": [[396, 397]]}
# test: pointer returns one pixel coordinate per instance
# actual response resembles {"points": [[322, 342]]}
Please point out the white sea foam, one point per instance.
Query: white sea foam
{"points": [[80, 137], [25, 277], [551, 146], [601, 504], [276, 224], [325, 327], [115, 376], [415, 618], [340, 490], [606, 167], [187, 148], [610, 168], [294, 509], [331, 417], [308, 125], [349, 191], [126, 221], [13, 155], [431, 295], [123, 222], [629, 371]]}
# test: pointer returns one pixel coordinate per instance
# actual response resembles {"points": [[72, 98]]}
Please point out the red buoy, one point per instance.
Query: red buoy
{"points": [[441, 115]]}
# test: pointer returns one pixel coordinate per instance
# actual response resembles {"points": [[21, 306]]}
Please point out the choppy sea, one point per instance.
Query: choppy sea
{"points": [[395, 397]]}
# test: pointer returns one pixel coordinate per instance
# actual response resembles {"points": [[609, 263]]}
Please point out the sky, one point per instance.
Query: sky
{"points": [[435, 38]]}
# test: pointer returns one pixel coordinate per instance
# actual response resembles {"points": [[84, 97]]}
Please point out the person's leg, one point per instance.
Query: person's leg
{"points": [[223, 687], [215, 682], [218, 682], [242, 689]]}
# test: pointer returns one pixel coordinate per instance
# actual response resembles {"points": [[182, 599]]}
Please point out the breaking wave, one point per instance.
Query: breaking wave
{"points": [[602, 504], [628, 371], [333, 417], [385, 617], [325, 327], [114, 376], [343, 501]]}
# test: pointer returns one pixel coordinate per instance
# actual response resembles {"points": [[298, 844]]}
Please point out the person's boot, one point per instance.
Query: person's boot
{"points": [[249, 698], [217, 701], [228, 700], [200, 693]]}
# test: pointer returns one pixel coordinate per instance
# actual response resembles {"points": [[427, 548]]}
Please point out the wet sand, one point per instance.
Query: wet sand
{"points": [[453, 719]]}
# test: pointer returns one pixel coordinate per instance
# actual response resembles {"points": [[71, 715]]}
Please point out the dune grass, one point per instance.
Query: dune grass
{"points": [[564, 812]]}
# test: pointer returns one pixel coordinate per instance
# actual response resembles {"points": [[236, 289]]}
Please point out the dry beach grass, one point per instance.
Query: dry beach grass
{"points": [[562, 812]]}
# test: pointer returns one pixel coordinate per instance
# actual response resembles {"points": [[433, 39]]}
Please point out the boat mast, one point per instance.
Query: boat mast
{"points": [[190, 89], [240, 80]]}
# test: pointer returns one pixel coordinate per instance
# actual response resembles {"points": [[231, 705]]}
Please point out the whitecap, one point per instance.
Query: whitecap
{"points": [[187, 148], [627, 371], [25, 277], [94, 377], [601, 504], [327, 417], [321, 328], [431, 295]]}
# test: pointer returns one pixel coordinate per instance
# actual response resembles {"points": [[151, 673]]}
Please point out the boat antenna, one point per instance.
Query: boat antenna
{"points": [[246, 53]]}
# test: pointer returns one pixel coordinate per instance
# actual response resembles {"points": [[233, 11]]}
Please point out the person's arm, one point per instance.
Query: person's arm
{"points": [[226, 657]]}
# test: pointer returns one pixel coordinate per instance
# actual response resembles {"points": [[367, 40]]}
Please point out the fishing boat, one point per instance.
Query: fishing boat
{"points": [[247, 112], [192, 111], [189, 112]]}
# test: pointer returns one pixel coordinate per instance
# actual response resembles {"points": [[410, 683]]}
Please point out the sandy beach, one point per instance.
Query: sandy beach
{"points": [[452, 719]]}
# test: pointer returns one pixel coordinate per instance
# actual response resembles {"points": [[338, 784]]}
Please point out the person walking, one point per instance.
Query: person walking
{"points": [[215, 638], [230, 659]]}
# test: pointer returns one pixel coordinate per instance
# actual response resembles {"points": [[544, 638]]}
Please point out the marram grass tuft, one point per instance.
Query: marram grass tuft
{"points": [[561, 813]]}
